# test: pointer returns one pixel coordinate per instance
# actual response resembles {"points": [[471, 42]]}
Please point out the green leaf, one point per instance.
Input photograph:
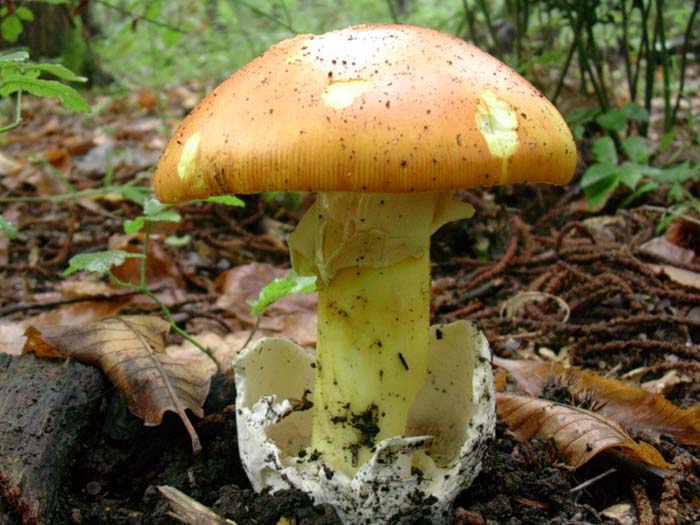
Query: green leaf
{"points": [[56, 70], [667, 140], [11, 28], [550, 57], [612, 120], [644, 188], [135, 225], [176, 242], [579, 116], [170, 38], [14, 56], [634, 111], [152, 206], [279, 288], [228, 200], [598, 182], [676, 193], [99, 262], [635, 149], [8, 228], [164, 216], [70, 98], [604, 151], [671, 214], [630, 174], [154, 211], [678, 174], [24, 13]]}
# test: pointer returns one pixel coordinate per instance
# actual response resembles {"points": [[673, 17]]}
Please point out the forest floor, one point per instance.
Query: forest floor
{"points": [[607, 294]]}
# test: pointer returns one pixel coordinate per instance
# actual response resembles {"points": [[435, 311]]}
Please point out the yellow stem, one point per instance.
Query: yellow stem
{"points": [[371, 357], [371, 255]]}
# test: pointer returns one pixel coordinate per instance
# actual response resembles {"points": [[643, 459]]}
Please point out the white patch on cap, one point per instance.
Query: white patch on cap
{"points": [[186, 168], [342, 94], [498, 124]]}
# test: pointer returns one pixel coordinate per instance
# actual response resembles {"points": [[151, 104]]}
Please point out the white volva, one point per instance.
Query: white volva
{"points": [[448, 428]]}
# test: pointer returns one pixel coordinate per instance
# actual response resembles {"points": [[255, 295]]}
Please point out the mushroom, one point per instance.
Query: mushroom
{"points": [[383, 122]]}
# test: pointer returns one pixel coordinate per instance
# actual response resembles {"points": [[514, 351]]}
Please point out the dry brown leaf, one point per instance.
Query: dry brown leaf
{"points": [[578, 434], [12, 337], [663, 249], [147, 99], [59, 158], [685, 232], [8, 166], [130, 351], [678, 275], [631, 406]]}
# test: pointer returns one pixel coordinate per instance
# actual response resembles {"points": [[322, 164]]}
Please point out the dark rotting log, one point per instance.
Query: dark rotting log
{"points": [[45, 405]]}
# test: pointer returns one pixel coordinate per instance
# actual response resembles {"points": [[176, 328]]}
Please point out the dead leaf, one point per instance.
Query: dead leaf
{"points": [[631, 406], [664, 250], [678, 275], [44, 181], [12, 337], [685, 232], [130, 351], [147, 99], [59, 158], [242, 284], [578, 434], [8, 166]]}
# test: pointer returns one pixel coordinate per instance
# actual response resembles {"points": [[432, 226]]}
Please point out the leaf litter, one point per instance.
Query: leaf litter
{"points": [[130, 350], [630, 405]]}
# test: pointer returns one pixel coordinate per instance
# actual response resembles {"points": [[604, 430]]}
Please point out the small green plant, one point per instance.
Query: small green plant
{"points": [[626, 162], [12, 21], [102, 262], [292, 283], [18, 75]]}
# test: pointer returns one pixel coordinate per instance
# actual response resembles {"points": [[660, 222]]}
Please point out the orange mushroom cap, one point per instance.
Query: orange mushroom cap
{"points": [[375, 108]]}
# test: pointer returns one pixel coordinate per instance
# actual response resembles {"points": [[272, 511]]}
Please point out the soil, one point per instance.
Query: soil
{"points": [[479, 265], [115, 478]]}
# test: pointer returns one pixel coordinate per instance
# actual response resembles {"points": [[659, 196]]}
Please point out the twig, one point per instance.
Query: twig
{"points": [[190, 511], [593, 480]]}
